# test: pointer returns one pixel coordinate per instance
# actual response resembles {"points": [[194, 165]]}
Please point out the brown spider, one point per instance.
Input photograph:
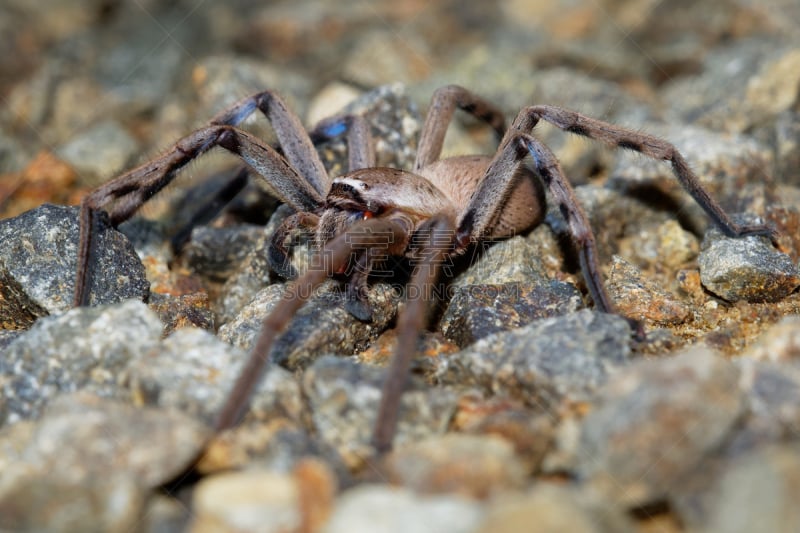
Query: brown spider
{"points": [[369, 213]]}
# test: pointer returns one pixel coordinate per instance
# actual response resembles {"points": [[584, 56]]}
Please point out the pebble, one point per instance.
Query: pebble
{"points": [[779, 344], [99, 153], [218, 252], [550, 361], [756, 493], [38, 257], [90, 463], [476, 311], [321, 326], [264, 501], [665, 245], [370, 508], [655, 422], [722, 87], [642, 299], [746, 268], [471, 465], [343, 397], [550, 507], [193, 371], [85, 348]]}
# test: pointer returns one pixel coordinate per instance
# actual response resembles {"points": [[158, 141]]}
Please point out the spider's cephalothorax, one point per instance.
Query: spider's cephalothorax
{"points": [[430, 213]]}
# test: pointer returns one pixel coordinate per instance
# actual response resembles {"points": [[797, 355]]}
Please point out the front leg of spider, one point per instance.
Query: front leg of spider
{"points": [[297, 178]]}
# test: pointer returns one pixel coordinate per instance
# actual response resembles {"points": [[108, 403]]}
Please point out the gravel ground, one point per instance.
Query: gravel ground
{"points": [[527, 410]]}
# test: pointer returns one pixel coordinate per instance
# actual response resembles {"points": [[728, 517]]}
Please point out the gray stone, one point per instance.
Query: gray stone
{"points": [[257, 500], [38, 258], [218, 252], [761, 78], [547, 362], [193, 371], [369, 508], [786, 141], [395, 125], [757, 493], [655, 422], [344, 397], [321, 326], [90, 463], [476, 311], [745, 268], [472, 465], [640, 298], [514, 260], [85, 348], [780, 343], [551, 507], [100, 152], [773, 398]]}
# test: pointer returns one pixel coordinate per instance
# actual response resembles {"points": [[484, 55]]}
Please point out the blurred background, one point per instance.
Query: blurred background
{"points": [[90, 87]]}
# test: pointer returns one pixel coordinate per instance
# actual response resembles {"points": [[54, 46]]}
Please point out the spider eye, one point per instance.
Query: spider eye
{"points": [[367, 215]]}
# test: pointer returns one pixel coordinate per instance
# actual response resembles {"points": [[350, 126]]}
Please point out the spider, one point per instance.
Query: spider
{"points": [[428, 215]]}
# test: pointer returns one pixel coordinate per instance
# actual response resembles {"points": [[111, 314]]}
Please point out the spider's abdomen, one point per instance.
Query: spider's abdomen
{"points": [[458, 178]]}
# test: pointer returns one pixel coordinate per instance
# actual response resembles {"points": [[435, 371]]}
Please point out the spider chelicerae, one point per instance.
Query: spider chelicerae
{"points": [[429, 214]]}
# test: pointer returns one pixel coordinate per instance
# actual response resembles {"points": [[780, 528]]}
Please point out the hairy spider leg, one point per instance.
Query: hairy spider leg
{"points": [[435, 244], [336, 254], [444, 102], [647, 145], [300, 182], [360, 145]]}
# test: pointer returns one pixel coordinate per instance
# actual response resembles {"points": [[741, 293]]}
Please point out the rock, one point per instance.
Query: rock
{"points": [[475, 466], [757, 493], [47, 503], [476, 311], [344, 397], [194, 372], [369, 508], [254, 272], [530, 433], [761, 75], [186, 310], [89, 463], [746, 268], [549, 507], [786, 140], [514, 260], [320, 326], [550, 361], [642, 299], [613, 216], [218, 252], [395, 123], [780, 343], [85, 348], [655, 422], [221, 80], [773, 398], [330, 100], [666, 245], [99, 153], [277, 445], [38, 258], [255, 500], [377, 60]]}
